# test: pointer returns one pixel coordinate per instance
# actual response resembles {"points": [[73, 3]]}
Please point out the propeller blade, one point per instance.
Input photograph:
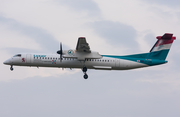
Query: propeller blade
{"points": [[61, 47], [60, 52]]}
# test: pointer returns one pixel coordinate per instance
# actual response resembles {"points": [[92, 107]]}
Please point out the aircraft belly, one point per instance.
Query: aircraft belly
{"points": [[127, 64], [99, 65]]}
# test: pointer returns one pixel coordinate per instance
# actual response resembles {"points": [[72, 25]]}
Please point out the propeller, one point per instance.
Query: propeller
{"points": [[60, 52]]}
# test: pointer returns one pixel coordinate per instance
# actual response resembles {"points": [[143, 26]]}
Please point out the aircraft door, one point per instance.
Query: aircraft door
{"points": [[28, 58]]}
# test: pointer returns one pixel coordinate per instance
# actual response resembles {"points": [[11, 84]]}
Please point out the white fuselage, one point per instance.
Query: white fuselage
{"points": [[53, 60]]}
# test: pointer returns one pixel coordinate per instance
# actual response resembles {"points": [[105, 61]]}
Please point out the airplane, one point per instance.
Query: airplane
{"points": [[82, 57]]}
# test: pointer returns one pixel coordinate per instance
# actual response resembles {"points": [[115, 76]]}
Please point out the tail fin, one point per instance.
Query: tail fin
{"points": [[161, 48]]}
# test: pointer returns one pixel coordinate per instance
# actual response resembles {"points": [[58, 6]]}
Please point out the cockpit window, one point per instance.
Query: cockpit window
{"points": [[17, 55]]}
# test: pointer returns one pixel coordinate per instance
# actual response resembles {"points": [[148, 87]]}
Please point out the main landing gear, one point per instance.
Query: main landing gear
{"points": [[11, 68], [84, 69]]}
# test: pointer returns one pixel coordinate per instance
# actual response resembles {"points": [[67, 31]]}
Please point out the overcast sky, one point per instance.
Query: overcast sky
{"points": [[116, 27]]}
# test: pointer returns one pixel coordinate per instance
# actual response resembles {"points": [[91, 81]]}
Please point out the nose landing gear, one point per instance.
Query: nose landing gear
{"points": [[11, 68], [84, 71]]}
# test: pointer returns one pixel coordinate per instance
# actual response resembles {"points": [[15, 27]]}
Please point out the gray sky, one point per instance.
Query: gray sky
{"points": [[111, 27]]}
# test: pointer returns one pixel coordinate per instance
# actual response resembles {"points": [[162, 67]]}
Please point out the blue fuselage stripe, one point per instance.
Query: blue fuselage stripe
{"points": [[153, 58]]}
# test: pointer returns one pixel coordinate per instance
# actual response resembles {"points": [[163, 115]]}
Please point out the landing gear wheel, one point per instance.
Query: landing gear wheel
{"points": [[11, 68], [84, 69], [85, 76]]}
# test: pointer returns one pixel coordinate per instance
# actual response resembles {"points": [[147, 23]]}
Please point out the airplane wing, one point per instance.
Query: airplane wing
{"points": [[82, 45], [82, 51]]}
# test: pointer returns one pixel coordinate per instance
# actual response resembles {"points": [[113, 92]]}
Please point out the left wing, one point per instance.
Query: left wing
{"points": [[82, 45]]}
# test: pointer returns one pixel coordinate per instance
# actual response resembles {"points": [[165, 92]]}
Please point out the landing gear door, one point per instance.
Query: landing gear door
{"points": [[28, 58]]}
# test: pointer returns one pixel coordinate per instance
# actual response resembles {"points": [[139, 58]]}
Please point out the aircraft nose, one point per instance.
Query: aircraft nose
{"points": [[7, 62]]}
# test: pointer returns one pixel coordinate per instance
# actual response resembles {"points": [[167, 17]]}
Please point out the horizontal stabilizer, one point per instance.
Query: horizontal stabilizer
{"points": [[166, 36]]}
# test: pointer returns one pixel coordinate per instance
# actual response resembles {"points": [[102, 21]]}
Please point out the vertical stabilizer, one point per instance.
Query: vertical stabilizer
{"points": [[161, 48]]}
